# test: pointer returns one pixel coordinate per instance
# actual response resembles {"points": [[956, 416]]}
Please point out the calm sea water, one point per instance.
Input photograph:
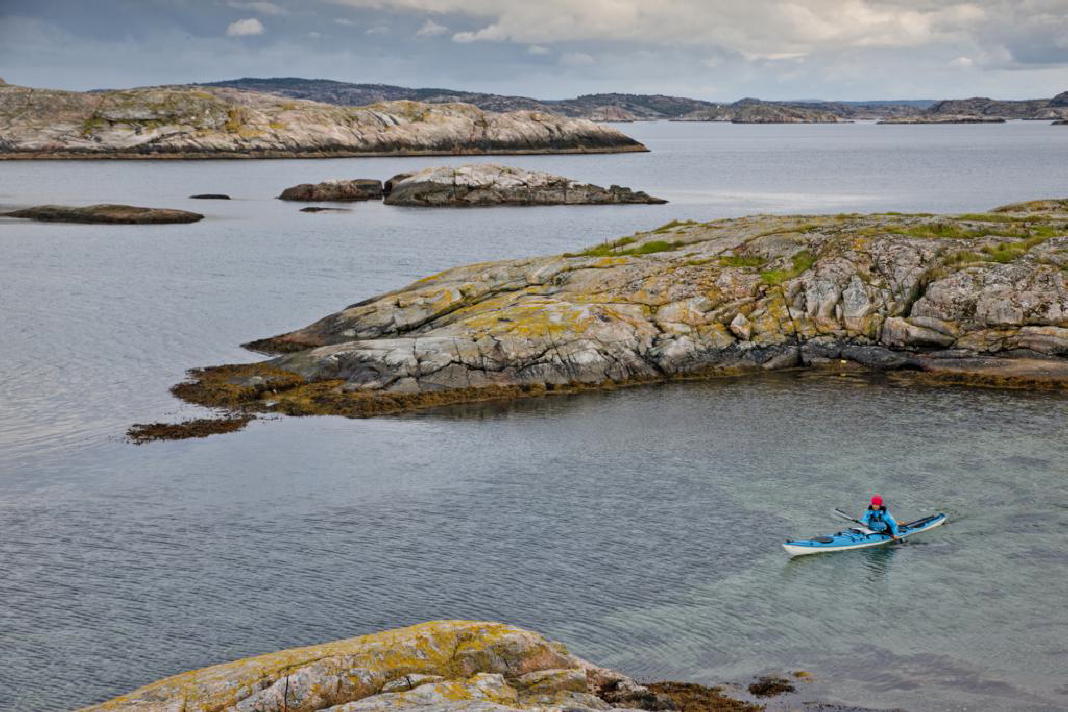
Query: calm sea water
{"points": [[641, 526]]}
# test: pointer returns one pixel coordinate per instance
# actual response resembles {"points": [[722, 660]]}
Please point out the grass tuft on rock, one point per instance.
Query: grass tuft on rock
{"points": [[674, 224], [800, 263], [741, 261], [612, 248]]}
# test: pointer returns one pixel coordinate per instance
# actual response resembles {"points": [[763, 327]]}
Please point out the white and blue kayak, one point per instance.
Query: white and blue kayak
{"points": [[859, 537]]}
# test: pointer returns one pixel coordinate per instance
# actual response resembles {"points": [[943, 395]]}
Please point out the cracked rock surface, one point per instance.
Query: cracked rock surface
{"points": [[492, 184], [192, 122], [441, 666], [978, 298]]}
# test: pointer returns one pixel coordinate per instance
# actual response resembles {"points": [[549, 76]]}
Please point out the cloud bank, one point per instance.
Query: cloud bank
{"points": [[711, 49]]}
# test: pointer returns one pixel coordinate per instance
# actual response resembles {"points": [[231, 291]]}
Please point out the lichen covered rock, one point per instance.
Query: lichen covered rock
{"points": [[979, 298], [432, 667], [480, 184]]}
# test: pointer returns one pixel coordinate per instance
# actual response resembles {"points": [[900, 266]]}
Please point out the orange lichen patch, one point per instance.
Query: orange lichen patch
{"points": [[691, 697], [427, 648], [534, 317]]}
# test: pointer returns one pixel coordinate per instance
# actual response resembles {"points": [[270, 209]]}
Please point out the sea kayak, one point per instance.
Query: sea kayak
{"points": [[859, 538]]}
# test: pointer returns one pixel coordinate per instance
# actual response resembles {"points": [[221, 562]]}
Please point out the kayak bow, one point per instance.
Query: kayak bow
{"points": [[857, 538]]}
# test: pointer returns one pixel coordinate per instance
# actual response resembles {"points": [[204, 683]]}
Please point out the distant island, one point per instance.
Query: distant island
{"points": [[639, 107], [217, 122]]}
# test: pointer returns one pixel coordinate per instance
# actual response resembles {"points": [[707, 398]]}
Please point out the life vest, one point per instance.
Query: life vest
{"points": [[876, 519]]}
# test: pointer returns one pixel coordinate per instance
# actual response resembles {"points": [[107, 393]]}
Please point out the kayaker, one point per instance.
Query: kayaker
{"points": [[878, 518]]}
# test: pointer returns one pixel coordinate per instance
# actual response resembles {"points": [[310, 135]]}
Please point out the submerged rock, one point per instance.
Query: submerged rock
{"points": [[770, 686], [215, 122], [334, 191], [109, 214], [481, 184], [979, 298], [442, 666], [210, 196], [320, 209]]}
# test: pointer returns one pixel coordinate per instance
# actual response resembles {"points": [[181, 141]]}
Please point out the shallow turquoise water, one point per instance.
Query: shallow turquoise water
{"points": [[640, 526]]}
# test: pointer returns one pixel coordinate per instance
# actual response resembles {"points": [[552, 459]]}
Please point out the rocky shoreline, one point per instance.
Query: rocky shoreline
{"points": [[201, 122], [440, 666], [924, 119], [977, 299]]}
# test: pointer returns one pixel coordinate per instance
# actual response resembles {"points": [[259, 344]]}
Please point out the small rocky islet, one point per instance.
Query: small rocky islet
{"points": [[439, 666], [483, 184], [471, 185], [106, 214], [977, 299]]}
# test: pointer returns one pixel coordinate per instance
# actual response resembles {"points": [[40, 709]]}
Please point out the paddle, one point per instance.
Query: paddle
{"points": [[864, 526]]}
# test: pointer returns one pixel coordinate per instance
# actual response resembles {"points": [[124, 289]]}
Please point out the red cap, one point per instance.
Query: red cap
{"points": [[877, 501]]}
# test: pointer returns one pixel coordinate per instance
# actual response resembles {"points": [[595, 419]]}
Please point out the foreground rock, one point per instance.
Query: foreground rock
{"points": [[201, 122], [335, 191], [106, 214], [482, 184], [442, 666], [978, 298]]}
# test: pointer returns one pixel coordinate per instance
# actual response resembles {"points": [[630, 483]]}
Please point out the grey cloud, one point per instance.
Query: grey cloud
{"points": [[711, 49]]}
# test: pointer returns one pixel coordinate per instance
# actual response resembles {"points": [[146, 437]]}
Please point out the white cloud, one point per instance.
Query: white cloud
{"points": [[377, 30], [537, 50], [262, 6], [431, 29], [756, 26], [245, 27], [774, 56], [344, 21], [577, 59], [963, 62]]}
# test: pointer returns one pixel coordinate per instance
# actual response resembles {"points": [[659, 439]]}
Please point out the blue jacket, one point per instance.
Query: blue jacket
{"points": [[879, 519]]}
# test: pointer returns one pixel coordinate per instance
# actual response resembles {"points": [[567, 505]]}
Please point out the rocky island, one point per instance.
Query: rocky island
{"points": [[335, 191], [440, 666], [755, 111], [214, 122], [480, 184], [943, 119], [977, 299], [105, 214]]}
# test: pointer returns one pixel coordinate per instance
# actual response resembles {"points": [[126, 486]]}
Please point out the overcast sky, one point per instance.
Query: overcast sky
{"points": [[720, 50]]}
